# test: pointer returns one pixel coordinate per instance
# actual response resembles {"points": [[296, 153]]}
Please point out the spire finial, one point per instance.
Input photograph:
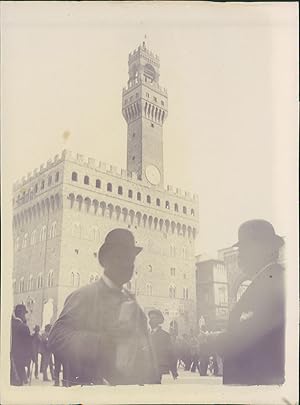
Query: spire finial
{"points": [[144, 42]]}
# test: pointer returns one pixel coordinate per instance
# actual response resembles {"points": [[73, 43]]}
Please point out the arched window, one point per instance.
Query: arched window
{"points": [[86, 180], [49, 180], [138, 196], [95, 233], [43, 185], [76, 230], [52, 233], [172, 251], [172, 291], [33, 237], [120, 190], [148, 199], [31, 283], [56, 177], [129, 193], [74, 176], [72, 279], [78, 279], [168, 205], [25, 240], [185, 293], [149, 289], [193, 212], [109, 187], [176, 207], [184, 209], [43, 233], [40, 281], [158, 202], [22, 285], [98, 183], [36, 188], [92, 278], [50, 279]]}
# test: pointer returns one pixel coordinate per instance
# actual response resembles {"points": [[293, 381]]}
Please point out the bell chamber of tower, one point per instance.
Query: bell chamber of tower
{"points": [[145, 108]]}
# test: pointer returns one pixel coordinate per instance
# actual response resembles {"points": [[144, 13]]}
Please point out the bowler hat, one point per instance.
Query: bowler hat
{"points": [[258, 230], [20, 309], [118, 240], [157, 313]]}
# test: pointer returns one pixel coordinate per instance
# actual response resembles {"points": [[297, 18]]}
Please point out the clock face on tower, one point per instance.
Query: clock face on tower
{"points": [[153, 175]]}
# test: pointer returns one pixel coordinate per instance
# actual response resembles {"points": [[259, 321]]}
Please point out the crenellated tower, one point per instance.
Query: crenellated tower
{"points": [[145, 108]]}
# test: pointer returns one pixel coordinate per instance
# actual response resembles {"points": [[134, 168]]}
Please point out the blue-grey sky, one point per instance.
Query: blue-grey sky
{"points": [[231, 75]]}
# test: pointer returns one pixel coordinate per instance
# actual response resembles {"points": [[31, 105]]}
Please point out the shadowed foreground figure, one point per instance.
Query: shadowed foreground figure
{"points": [[162, 345], [21, 346], [253, 345], [101, 334]]}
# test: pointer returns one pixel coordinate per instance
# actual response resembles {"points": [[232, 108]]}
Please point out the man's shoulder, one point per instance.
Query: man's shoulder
{"points": [[163, 334], [270, 280], [18, 324], [87, 291]]}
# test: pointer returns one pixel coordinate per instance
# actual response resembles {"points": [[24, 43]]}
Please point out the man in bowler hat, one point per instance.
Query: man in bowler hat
{"points": [[101, 334], [20, 346], [253, 345], [162, 345]]}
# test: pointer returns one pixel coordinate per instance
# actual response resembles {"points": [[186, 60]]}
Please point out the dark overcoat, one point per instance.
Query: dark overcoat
{"points": [[253, 346], [88, 333], [164, 352], [21, 342]]}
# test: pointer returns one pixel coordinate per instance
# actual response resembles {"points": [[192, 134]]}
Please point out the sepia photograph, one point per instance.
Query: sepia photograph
{"points": [[149, 202]]}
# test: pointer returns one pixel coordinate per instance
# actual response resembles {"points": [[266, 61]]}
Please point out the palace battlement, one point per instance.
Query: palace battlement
{"points": [[98, 166]]}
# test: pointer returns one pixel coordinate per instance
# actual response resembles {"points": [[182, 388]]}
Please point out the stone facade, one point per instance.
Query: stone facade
{"points": [[64, 209], [212, 293]]}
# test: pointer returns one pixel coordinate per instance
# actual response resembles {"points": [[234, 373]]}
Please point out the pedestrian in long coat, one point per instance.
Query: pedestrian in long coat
{"points": [[162, 345], [101, 334], [20, 346], [253, 345]]}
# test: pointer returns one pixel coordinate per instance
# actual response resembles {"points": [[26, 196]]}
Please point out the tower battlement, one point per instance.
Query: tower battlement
{"points": [[143, 51], [98, 166]]}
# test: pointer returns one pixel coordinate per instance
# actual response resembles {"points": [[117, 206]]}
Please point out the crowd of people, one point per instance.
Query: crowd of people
{"points": [[103, 336], [195, 354], [31, 355], [30, 352]]}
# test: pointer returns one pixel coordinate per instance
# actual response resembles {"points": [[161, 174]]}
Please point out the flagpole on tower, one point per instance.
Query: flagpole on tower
{"points": [[144, 41]]}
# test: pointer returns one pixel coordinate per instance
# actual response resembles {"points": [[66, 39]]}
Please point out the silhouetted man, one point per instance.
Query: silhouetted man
{"points": [[21, 349], [101, 334], [253, 346], [162, 345]]}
